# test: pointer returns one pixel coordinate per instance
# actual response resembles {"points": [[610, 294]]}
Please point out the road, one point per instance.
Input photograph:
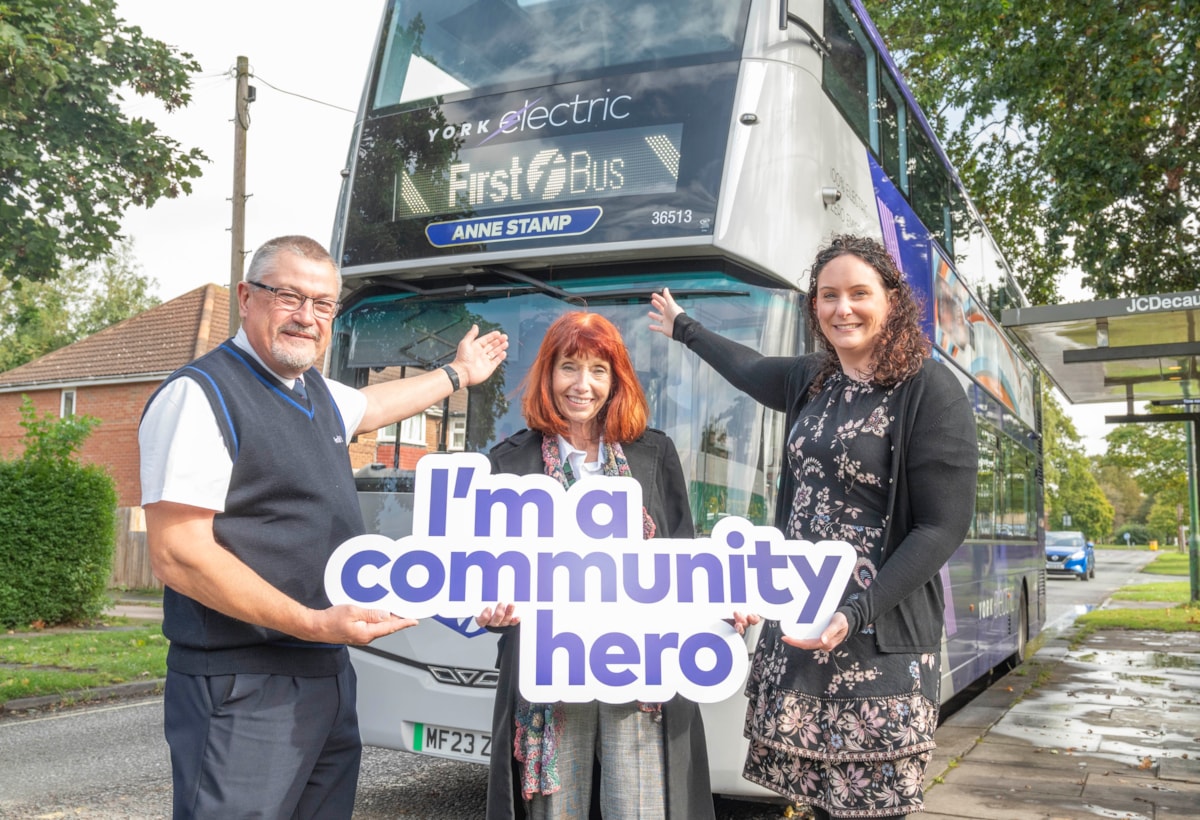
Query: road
{"points": [[1067, 597], [110, 761]]}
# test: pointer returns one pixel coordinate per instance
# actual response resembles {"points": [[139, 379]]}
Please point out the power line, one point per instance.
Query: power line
{"points": [[260, 78]]}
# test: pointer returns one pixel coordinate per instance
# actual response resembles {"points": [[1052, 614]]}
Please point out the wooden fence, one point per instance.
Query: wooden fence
{"points": [[131, 559]]}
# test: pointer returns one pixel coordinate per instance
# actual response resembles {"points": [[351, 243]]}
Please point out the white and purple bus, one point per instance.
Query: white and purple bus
{"points": [[515, 158]]}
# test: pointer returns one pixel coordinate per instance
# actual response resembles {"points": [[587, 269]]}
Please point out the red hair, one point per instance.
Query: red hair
{"points": [[626, 413]]}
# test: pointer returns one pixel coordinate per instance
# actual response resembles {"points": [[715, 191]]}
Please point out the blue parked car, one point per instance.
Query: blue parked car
{"points": [[1067, 551]]}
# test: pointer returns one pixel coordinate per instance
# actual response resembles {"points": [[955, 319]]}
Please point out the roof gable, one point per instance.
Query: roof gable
{"points": [[152, 344]]}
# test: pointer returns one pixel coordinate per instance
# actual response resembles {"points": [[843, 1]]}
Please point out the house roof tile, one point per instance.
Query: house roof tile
{"points": [[152, 344]]}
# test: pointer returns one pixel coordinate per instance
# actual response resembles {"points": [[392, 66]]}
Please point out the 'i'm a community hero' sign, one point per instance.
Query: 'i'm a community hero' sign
{"points": [[605, 614]]}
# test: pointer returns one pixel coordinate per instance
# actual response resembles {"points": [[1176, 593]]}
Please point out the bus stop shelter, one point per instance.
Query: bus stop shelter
{"points": [[1137, 349]]}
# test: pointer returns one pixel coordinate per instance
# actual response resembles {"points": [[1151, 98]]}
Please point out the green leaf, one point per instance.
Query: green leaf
{"points": [[1079, 88], [73, 161]]}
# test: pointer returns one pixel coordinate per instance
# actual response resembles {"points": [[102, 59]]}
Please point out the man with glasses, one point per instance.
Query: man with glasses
{"points": [[247, 488]]}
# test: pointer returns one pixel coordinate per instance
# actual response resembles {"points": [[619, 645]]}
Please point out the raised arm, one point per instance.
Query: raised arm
{"points": [[666, 310], [766, 379]]}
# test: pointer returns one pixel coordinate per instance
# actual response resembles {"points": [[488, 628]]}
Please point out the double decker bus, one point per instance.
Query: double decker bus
{"points": [[517, 158]]}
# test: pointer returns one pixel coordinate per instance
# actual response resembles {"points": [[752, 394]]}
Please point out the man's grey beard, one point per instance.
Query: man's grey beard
{"points": [[290, 357], [292, 360]]}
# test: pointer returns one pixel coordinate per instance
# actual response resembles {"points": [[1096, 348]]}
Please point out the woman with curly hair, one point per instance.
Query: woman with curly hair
{"points": [[882, 454]]}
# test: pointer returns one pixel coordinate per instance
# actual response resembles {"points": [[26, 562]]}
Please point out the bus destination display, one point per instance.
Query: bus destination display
{"points": [[545, 171], [637, 158]]}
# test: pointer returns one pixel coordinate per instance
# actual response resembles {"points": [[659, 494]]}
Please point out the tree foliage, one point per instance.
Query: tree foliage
{"points": [[1071, 486], [1079, 495], [1167, 514], [1122, 491], [1154, 454], [1059, 437], [1075, 128], [50, 440], [39, 317], [72, 161]]}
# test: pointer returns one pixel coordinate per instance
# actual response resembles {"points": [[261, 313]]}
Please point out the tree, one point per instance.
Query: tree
{"points": [[73, 162], [1122, 491], [1079, 495], [1075, 128], [1071, 486], [1154, 454], [1058, 437], [39, 317], [1168, 512]]}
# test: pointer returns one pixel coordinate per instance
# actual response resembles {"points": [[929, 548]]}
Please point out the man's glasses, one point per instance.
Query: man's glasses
{"points": [[290, 300]]}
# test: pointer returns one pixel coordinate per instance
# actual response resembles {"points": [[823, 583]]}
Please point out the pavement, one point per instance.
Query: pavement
{"points": [[1103, 727], [142, 608], [1108, 728]]}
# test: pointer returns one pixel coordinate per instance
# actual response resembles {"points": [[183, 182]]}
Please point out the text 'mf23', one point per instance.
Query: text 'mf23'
{"points": [[605, 615]]}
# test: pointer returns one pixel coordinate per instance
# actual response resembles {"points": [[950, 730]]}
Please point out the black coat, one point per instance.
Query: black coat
{"points": [[654, 462]]}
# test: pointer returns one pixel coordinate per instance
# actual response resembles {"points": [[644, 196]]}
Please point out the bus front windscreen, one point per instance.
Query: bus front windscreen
{"points": [[436, 48], [729, 444]]}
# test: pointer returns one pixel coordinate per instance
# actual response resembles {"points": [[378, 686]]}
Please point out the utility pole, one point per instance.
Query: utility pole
{"points": [[241, 124]]}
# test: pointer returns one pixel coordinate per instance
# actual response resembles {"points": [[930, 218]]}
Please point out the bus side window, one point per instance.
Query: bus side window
{"points": [[892, 118], [846, 67]]}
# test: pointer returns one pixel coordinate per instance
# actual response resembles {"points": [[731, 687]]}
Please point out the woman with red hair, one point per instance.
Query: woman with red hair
{"points": [[587, 419]]}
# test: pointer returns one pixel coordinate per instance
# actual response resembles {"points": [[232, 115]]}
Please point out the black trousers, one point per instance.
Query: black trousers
{"points": [[262, 745]]}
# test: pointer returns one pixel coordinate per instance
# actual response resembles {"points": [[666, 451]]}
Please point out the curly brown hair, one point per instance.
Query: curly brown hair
{"points": [[901, 348]]}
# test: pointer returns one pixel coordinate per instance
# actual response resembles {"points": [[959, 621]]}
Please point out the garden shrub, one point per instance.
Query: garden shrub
{"points": [[57, 526], [1139, 534]]}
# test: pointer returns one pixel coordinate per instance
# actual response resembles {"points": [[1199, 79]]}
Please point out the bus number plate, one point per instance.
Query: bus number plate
{"points": [[449, 742]]}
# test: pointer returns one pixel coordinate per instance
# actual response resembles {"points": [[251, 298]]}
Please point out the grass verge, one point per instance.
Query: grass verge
{"points": [[1182, 617], [64, 663], [1169, 563], [1167, 592]]}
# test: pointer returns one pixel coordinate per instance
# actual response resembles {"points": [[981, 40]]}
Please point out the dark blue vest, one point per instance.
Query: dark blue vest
{"points": [[291, 502]]}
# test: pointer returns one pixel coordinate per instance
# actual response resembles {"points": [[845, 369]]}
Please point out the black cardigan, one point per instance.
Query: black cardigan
{"points": [[654, 462], [931, 496]]}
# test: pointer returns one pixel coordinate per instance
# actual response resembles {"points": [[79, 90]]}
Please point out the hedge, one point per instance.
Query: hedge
{"points": [[58, 527], [57, 536]]}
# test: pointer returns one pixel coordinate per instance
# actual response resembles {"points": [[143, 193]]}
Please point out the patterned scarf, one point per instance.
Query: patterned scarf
{"points": [[539, 726]]}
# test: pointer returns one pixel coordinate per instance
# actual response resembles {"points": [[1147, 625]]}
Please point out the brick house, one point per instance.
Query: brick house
{"points": [[111, 374]]}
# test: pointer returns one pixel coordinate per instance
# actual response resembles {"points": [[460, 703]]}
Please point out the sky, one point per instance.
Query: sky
{"points": [[1090, 424], [308, 60], [295, 147]]}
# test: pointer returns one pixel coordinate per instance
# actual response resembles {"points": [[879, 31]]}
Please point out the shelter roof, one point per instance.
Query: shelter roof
{"points": [[1136, 349]]}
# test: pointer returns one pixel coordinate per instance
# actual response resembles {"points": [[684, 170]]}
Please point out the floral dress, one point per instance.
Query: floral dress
{"points": [[851, 730]]}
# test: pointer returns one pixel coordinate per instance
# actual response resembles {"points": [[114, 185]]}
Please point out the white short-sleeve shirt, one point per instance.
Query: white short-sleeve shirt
{"points": [[183, 455]]}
